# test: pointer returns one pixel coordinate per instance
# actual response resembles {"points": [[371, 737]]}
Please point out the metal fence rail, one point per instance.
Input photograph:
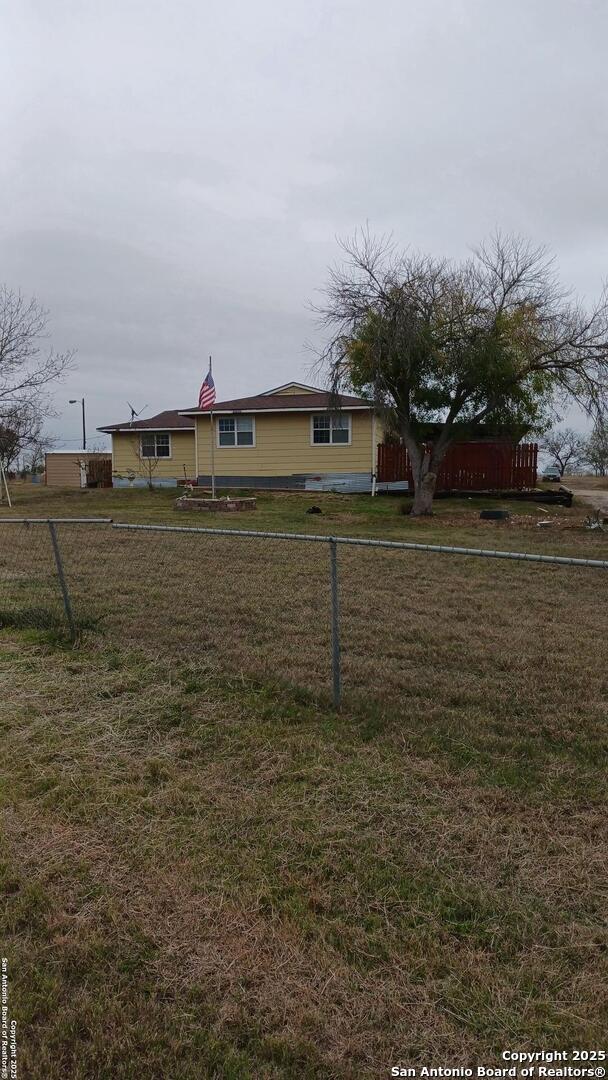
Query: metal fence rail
{"points": [[234, 594], [354, 541]]}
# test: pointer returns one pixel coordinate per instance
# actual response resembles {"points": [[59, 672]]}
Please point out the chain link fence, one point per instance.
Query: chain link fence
{"points": [[379, 620]]}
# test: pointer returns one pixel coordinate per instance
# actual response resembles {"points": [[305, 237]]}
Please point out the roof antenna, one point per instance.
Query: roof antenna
{"points": [[134, 412]]}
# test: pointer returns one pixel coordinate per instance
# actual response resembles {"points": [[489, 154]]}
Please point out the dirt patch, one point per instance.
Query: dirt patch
{"points": [[595, 497]]}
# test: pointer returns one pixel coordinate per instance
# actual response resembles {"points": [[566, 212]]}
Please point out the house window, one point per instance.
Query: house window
{"points": [[155, 444], [331, 429], [235, 431]]}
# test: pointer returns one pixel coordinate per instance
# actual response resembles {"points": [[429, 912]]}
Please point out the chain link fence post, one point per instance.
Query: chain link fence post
{"points": [[63, 583], [335, 624]]}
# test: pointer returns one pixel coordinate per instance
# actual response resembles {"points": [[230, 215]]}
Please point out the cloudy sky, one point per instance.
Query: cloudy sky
{"points": [[174, 173]]}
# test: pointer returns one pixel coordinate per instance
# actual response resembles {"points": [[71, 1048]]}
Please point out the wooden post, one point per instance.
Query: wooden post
{"points": [[4, 483]]}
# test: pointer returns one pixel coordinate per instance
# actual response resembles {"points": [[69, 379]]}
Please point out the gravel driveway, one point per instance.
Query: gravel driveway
{"points": [[597, 498]]}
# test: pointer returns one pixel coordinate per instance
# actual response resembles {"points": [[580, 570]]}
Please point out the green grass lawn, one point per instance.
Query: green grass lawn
{"points": [[456, 520]]}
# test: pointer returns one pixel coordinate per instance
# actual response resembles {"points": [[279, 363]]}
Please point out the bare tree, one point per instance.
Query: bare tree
{"points": [[596, 449], [21, 430], [33, 458], [27, 364], [12, 442], [494, 340], [565, 446], [147, 464]]}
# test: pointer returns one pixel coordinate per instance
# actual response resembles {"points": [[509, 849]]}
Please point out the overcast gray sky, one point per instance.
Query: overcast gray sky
{"points": [[174, 172]]}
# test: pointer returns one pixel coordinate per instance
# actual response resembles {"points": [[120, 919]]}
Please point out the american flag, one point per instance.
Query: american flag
{"points": [[206, 397]]}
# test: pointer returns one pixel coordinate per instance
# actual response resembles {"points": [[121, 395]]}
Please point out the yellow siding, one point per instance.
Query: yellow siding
{"points": [[294, 388], [283, 448], [125, 456], [62, 470]]}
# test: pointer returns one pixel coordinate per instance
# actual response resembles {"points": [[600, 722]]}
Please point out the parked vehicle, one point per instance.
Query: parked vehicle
{"points": [[553, 474]]}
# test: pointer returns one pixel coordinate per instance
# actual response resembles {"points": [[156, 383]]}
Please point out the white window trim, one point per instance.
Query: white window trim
{"points": [[320, 445], [155, 457], [235, 445]]}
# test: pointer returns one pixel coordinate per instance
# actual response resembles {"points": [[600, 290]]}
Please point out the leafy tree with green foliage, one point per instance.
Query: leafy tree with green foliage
{"points": [[445, 347]]}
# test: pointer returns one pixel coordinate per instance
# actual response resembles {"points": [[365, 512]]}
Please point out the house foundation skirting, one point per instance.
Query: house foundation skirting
{"points": [[295, 483], [142, 482], [346, 482]]}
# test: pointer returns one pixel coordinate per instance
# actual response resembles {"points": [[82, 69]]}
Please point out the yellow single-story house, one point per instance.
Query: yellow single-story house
{"points": [[293, 436], [159, 450]]}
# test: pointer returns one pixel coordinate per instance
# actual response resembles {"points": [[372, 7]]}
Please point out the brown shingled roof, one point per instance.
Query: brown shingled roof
{"points": [[284, 403], [168, 420]]}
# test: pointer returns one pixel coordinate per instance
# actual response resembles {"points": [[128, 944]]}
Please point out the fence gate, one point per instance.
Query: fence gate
{"points": [[99, 472]]}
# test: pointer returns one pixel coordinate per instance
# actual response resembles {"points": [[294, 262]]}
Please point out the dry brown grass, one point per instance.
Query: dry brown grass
{"points": [[206, 866], [471, 638], [210, 874], [599, 483]]}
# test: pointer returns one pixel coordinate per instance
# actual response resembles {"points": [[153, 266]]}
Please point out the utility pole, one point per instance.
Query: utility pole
{"points": [[74, 401]]}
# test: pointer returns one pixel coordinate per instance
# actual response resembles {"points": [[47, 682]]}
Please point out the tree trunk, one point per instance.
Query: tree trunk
{"points": [[425, 461], [424, 490]]}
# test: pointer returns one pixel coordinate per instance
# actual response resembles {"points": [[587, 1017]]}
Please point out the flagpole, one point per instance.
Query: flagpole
{"points": [[212, 445]]}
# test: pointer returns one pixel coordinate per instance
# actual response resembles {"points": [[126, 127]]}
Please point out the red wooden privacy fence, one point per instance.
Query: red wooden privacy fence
{"points": [[469, 466], [99, 471]]}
